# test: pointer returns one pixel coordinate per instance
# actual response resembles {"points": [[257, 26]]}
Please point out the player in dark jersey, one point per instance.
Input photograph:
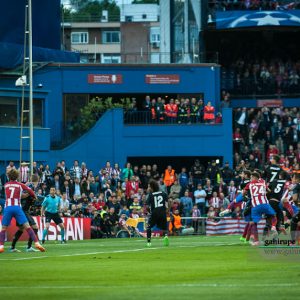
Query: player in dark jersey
{"points": [[275, 192], [158, 204], [26, 203], [272, 171], [295, 222]]}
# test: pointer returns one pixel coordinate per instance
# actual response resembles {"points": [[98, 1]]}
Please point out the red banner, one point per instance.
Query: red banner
{"points": [[162, 79], [75, 229], [105, 78], [269, 103]]}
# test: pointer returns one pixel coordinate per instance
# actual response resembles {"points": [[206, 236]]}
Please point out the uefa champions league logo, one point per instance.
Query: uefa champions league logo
{"points": [[266, 18]]}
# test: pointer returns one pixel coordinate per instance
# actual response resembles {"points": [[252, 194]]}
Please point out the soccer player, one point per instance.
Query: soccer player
{"points": [[158, 204], [26, 204], [272, 171], [260, 204], [295, 222], [50, 209], [276, 189], [13, 192]]}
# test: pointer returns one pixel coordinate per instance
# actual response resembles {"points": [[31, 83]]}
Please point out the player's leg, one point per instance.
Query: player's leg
{"points": [[29, 244], [243, 237], [294, 225], [270, 213], [33, 236], [149, 230], [17, 236], [7, 216], [2, 237], [62, 232], [249, 232], [256, 213], [59, 222], [48, 218], [162, 223], [45, 232]]}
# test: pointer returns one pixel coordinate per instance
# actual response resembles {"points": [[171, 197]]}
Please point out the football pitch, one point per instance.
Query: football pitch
{"points": [[190, 268]]}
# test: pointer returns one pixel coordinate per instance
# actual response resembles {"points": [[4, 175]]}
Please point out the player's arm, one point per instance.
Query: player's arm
{"points": [[28, 190], [246, 189]]}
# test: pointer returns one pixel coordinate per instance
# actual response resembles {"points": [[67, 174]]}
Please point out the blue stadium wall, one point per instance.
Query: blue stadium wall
{"points": [[60, 79], [110, 139]]}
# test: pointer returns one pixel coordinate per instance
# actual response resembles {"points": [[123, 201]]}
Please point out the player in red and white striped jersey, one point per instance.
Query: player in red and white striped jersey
{"points": [[260, 204], [13, 194]]}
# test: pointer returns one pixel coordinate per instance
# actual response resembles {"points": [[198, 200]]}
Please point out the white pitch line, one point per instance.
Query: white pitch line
{"points": [[180, 285], [120, 251]]}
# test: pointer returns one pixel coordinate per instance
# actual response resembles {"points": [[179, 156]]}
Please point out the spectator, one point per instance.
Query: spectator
{"points": [[187, 203], [76, 171], [200, 198], [169, 177], [226, 173], [231, 191], [175, 225], [209, 113], [175, 190], [183, 181], [127, 172], [195, 215], [197, 172]]}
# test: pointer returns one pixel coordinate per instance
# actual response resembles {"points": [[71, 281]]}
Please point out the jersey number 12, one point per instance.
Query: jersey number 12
{"points": [[158, 201]]}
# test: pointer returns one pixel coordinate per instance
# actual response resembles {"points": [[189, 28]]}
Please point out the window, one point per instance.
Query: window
{"points": [[37, 112], [110, 59], [79, 38], [111, 37], [8, 111], [155, 35]]}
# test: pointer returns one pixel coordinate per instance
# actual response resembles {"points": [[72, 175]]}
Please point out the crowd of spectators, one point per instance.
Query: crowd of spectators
{"points": [[173, 111], [262, 132], [113, 194], [262, 77], [253, 5]]}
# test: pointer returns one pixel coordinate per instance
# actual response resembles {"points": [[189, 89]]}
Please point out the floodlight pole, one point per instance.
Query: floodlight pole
{"points": [[30, 86]]}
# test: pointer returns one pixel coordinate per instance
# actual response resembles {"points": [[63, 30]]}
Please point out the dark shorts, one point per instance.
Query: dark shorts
{"points": [[55, 217], [29, 218], [158, 218]]}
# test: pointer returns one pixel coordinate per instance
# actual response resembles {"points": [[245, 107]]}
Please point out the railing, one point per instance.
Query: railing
{"points": [[90, 19], [151, 57], [146, 118]]}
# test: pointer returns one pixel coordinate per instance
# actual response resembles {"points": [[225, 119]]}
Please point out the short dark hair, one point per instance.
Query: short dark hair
{"points": [[256, 174], [154, 185], [276, 158], [248, 173]]}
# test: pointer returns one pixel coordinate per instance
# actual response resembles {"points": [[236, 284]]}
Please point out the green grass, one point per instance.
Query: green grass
{"points": [[190, 268]]}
